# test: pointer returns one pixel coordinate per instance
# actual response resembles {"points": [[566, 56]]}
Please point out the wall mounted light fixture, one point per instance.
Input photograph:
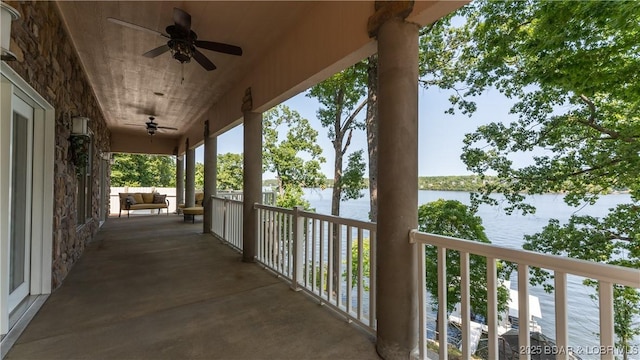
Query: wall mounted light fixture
{"points": [[7, 16], [80, 125]]}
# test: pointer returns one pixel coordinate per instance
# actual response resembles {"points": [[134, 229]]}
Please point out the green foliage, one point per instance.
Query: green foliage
{"points": [[342, 97], [199, 177], [143, 170], [452, 183], [339, 96], [572, 69], [80, 151], [352, 180], [609, 240], [288, 139], [230, 172], [292, 196], [366, 263], [452, 218]]}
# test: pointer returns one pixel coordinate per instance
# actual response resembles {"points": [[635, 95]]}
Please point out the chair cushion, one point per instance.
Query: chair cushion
{"points": [[138, 197], [132, 200], [159, 199], [199, 197], [148, 206], [196, 210], [148, 197]]}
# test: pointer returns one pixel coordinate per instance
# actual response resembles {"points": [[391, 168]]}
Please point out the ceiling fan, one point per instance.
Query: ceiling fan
{"points": [[153, 127], [183, 41]]}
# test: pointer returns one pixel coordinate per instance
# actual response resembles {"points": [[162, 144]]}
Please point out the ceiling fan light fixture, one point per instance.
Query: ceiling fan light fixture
{"points": [[181, 50], [183, 42]]}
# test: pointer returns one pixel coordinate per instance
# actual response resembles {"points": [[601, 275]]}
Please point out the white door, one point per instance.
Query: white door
{"points": [[20, 201]]}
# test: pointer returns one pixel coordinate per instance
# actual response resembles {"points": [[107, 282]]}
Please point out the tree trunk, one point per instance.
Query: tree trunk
{"points": [[337, 190], [372, 134], [337, 178]]}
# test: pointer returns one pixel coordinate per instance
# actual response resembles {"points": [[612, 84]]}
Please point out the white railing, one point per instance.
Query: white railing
{"points": [[226, 221], [268, 197], [330, 258], [606, 275]]}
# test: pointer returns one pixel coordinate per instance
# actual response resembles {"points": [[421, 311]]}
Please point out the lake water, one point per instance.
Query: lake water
{"points": [[508, 231]]}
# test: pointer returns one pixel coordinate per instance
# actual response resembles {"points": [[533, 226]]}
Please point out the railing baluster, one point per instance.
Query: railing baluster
{"points": [[422, 302], [292, 251], [562, 319], [314, 260], [442, 303], [298, 266], [349, 260], [524, 337], [465, 305], [272, 241], [337, 248], [372, 277], [224, 222], [260, 235], [605, 299], [492, 308], [360, 273], [322, 282], [330, 251]]}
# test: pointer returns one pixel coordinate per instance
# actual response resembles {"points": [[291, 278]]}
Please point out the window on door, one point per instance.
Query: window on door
{"points": [[85, 182]]}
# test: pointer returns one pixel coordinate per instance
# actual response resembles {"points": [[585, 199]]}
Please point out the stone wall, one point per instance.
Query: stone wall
{"points": [[47, 60]]}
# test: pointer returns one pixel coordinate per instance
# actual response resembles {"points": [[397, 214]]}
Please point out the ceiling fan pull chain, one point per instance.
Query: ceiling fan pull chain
{"points": [[182, 70]]}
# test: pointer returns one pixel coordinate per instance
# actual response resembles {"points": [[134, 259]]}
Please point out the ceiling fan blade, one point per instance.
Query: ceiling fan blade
{"points": [[202, 60], [182, 18], [131, 124], [167, 127], [157, 51], [219, 47], [136, 27]]}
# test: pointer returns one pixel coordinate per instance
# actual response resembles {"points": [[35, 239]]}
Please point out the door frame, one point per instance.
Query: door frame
{"points": [[42, 188], [22, 108]]}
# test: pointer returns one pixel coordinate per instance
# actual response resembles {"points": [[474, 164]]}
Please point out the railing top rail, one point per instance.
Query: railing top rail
{"points": [[216, 197], [330, 218], [273, 208], [340, 220], [589, 269]]}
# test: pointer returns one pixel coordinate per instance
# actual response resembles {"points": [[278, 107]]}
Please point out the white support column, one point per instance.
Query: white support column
{"points": [[397, 269], [190, 178], [210, 176], [252, 181], [179, 182]]}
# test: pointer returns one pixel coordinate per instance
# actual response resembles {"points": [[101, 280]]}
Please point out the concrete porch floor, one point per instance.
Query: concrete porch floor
{"points": [[155, 287]]}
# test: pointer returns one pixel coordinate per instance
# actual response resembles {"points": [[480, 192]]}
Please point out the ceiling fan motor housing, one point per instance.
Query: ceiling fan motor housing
{"points": [[181, 43]]}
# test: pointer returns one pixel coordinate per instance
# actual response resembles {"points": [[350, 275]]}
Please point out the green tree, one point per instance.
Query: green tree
{"points": [[199, 176], [371, 124], [572, 69], [230, 172], [342, 99], [143, 170], [453, 218], [352, 180], [288, 140]]}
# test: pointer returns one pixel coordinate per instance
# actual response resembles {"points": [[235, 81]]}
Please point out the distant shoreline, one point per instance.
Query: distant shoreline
{"points": [[470, 183]]}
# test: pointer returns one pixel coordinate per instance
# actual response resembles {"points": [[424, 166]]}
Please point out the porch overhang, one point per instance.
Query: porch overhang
{"points": [[288, 47]]}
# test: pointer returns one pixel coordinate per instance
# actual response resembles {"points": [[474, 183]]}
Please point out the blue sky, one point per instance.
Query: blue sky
{"points": [[440, 134]]}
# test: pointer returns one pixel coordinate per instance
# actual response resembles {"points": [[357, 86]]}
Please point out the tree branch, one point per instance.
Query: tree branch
{"points": [[346, 145], [347, 124], [591, 122]]}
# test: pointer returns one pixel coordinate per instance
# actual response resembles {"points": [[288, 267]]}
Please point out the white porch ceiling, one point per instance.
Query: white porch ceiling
{"points": [[288, 46]]}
